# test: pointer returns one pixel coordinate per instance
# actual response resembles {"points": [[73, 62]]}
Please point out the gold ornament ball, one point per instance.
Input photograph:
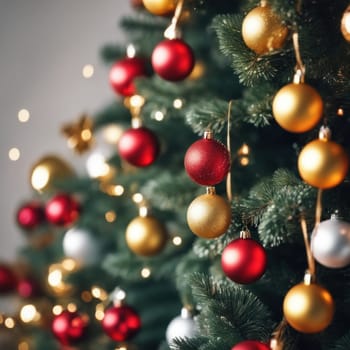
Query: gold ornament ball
{"points": [[323, 164], [297, 107], [209, 216], [160, 7], [48, 171], [146, 236], [308, 308], [263, 31], [345, 24]]}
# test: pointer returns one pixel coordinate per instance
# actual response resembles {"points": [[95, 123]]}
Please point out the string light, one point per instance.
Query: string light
{"points": [[72, 307], [137, 198], [9, 322], [340, 112], [14, 154], [99, 293], [29, 313], [178, 103], [88, 71], [177, 240], [57, 310], [99, 313], [145, 272], [159, 116], [110, 216], [23, 115], [111, 133]]}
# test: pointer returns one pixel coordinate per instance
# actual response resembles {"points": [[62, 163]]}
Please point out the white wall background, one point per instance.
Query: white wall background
{"points": [[44, 45]]}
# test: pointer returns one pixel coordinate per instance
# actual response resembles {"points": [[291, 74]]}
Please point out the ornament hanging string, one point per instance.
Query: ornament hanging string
{"points": [[172, 32], [310, 258], [134, 104], [276, 342], [318, 213], [300, 68], [228, 141]]}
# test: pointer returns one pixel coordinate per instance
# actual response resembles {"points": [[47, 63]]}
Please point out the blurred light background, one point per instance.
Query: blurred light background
{"points": [[47, 46]]}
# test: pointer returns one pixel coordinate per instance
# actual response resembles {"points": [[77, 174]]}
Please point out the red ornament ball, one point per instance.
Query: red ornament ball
{"points": [[28, 288], [123, 73], [121, 323], [138, 146], [251, 345], [173, 59], [69, 327], [207, 162], [8, 280], [62, 210], [30, 215], [244, 260]]}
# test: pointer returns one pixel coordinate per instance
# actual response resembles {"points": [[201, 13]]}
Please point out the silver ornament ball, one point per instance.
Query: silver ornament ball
{"points": [[181, 326], [330, 243], [81, 245]]}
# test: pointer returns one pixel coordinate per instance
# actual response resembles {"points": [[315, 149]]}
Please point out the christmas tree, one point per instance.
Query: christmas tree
{"points": [[214, 211]]}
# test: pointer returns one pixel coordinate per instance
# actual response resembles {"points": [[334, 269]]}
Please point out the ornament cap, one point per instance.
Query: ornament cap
{"points": [[117, 296], [309, 278], [210, 190], [325, 133], [186, 313], [208, 135], [299, 76], [245, 234]]}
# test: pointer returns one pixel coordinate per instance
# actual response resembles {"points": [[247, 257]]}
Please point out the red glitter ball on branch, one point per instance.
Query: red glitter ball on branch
{"points": [[173, 60], [62, 210], [244, 260], [207, 162], [121, 323], [138, 146], [123, 73]]}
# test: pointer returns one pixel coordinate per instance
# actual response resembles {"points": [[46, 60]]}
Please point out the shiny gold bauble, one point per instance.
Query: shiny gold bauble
{"points": [[160, 7], [209, 216], [297, 107], [49, 171], [345, 24], [308, 308], [263, 31], [323, 164], [146, 236]]}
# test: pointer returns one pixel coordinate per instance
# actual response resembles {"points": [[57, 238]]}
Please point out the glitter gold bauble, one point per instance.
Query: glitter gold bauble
{"points": [[146, 236], [263, 31], [345, 24], [323, 164], [160, 7], [308, 308], [297, 107], [48, 171], [209, 216]]}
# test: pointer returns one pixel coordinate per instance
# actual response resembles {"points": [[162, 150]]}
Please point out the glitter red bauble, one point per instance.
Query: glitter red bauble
{"points": [[244, 260], [8, 279], [28, 288], [30, 215], [207, 162], [62, 210], [123, 73], [69, 327], [138, 146], [251, 345], [173, 59], [121, 322]]}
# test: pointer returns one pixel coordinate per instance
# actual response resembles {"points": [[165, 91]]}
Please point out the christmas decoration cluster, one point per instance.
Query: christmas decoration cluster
{"points": [[127, 173]]}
